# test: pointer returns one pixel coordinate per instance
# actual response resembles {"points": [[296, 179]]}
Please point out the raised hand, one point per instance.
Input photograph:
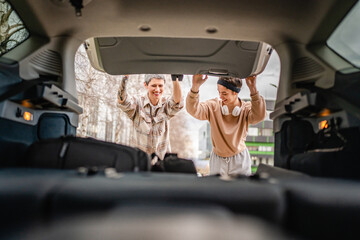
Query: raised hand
{"points": [[197, 81], [251, 83], [122, 88]]}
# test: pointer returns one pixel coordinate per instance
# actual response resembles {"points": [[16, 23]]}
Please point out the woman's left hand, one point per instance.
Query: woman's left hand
{"points": [[251, 83]]}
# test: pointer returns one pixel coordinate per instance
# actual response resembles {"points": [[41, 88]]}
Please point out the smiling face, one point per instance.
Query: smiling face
{"points": [[155, 89], [227, 96]]}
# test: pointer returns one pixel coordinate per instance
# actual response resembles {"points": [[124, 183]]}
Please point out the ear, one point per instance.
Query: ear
{"points": [[146, 86]]}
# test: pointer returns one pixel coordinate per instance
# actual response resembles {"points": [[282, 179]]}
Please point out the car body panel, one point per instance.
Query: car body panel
{"points": [[119, 56]]}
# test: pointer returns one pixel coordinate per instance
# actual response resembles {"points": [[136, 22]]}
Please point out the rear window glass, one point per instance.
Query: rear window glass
{"points": [[12, 29], [346, 38]]}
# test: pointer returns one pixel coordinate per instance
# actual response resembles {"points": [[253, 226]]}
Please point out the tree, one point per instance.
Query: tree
{"points": [[180, 137], [86, 77], [97, 93], [12, 30], [102, 118]]}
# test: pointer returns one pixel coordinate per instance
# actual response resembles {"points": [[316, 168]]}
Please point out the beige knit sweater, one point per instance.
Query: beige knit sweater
{"points": [[228, 133]]}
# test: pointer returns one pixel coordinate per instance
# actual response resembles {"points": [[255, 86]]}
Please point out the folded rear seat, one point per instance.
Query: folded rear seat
{"points": [[322, 208], [317, 208], [73, 152], [308, 207], [35, 197], [98, 194], [333, 154], [24, 198]]}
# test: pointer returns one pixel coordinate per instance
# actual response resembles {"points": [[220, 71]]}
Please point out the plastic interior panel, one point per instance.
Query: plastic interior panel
{"points": [[9, 75], [158, 55], [52, 126]]}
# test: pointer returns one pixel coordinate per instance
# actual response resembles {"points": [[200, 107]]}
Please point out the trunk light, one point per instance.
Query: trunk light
{"points": [[323, 124], [28, 116]]}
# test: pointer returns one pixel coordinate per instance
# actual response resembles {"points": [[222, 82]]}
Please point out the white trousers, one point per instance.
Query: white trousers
{"points": [[237, 164]]}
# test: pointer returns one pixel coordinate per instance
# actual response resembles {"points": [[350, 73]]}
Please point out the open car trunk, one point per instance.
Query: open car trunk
{"points": [[135, 55]]}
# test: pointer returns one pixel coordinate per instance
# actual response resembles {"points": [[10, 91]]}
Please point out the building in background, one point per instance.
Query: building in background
{"points": [[260, 140]]}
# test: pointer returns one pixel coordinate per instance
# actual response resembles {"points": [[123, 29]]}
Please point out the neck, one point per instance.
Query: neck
{"points": [[232, 105], [154, 102]]}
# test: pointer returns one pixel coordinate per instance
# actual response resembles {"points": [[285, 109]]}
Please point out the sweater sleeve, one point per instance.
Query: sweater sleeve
{"points": [[257, 112], [199, 110]]}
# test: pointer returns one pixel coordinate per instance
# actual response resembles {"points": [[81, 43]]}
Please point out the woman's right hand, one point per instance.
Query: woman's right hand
{"points": [[197, 81], [122, 89]]}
